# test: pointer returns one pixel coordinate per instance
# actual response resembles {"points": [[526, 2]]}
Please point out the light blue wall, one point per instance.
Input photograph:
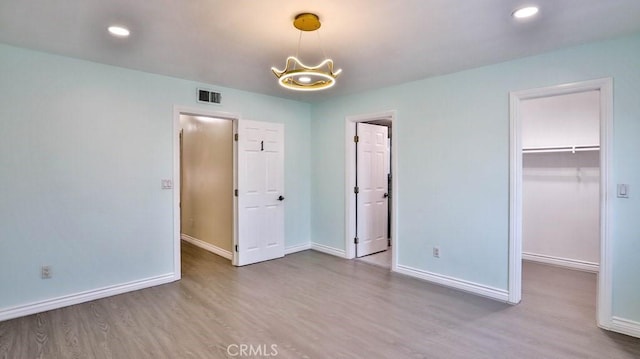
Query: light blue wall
{"points": [[83, 147], [453, 142]]}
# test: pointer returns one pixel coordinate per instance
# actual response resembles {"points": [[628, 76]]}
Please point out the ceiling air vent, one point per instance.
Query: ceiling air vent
{"points": [[208, 96]]}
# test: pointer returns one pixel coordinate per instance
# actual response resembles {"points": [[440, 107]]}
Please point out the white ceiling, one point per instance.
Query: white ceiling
{"points": [[377, 43]]}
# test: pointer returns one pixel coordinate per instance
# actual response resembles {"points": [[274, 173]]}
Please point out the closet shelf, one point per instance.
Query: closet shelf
{"points": [[572, 149]]}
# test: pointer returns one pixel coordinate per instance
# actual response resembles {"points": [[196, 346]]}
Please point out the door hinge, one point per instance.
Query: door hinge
{"points": [[235, 192], [235, 137], [356, 138], [355, 240], [356, 189], [236, 248]]}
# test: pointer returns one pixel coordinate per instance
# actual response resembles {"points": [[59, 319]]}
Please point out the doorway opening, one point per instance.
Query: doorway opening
{"points": [[559, 208], [205, 175], [371, 189], [207, 183]]}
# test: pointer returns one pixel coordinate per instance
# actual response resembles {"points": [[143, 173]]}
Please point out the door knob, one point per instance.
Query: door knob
{"points": [[280, 198], [385, 195]]}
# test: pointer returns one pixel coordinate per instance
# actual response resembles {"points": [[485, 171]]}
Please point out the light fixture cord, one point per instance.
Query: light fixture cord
{"points": [[321, 47], [298, 50]]}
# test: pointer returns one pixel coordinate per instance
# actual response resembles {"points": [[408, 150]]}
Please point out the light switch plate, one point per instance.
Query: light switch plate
{"points": [[623, 190], [167, 184]]}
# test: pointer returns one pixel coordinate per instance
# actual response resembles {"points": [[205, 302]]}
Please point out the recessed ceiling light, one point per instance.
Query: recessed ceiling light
{"points": [[119, 31], [525, 12]]}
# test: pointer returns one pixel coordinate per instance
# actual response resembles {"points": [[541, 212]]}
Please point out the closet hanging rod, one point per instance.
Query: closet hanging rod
{"points": [[572, 149]]}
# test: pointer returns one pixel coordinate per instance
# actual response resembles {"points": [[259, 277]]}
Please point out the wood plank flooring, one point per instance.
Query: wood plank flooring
{"points": [[312, 305]]}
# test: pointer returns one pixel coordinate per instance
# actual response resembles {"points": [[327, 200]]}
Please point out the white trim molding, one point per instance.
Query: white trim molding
{"points": [[207, 246], [86, 296], [451, 282], [329, 250], [625, 326], [297, 248], [605, 87], [562, 262]]}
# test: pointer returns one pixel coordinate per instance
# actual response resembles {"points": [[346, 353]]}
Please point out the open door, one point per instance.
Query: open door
{"points": [[372, 197], [260, 235]]}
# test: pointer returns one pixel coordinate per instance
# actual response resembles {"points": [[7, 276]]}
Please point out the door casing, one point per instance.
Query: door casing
{"points": [[350, 182]]}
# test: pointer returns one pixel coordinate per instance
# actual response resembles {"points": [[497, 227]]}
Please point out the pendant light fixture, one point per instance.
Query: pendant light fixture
{"points": [[300, 77]]}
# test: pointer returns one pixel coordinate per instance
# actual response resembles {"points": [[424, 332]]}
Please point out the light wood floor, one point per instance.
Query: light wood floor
{"points": [[313, 305]]}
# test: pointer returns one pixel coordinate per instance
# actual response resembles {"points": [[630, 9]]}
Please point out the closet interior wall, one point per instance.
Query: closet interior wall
{"points": [[561, 178]]}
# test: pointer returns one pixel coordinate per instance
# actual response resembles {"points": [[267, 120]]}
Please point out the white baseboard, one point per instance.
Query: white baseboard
{"points": [[297, 248], [81, 297], [562, 262], [471, 287], [207, 246], [625, 326], [329, 250]]}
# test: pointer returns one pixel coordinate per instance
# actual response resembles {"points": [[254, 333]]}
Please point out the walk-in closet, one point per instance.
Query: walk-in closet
{"points": [[561, 180]]}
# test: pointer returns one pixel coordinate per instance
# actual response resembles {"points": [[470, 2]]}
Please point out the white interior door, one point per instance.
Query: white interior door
{"points": [[372, 199], [260, 192]]}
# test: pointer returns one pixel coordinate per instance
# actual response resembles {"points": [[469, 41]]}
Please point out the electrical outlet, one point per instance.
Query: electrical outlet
{"points": [[436, 252], [45, 272]]}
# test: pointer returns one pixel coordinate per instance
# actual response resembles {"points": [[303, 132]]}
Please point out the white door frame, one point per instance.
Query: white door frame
{"points": [[193, 111], [605, 86], [350, 182]]}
